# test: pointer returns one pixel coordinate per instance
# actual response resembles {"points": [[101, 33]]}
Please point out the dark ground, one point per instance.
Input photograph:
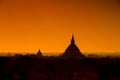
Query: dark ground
{"points": [[56, 68]]}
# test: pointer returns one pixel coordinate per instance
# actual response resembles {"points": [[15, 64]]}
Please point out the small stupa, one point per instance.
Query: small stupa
{"points": [[72, 50], [39, 54]]}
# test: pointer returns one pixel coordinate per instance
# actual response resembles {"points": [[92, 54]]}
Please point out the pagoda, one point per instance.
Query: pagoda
{"points": [[72, 50], [39, 54]]}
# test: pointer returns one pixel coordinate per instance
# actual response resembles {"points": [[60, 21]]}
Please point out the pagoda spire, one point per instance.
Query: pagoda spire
{"points": [[72, 50], [72, 40], [39, 53]]}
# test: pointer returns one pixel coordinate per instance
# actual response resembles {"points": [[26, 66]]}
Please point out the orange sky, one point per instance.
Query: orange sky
{"points": [[27, 25]]}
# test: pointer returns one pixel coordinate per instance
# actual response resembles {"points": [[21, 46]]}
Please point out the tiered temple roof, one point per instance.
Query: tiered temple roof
{"points": [[72, 50]]}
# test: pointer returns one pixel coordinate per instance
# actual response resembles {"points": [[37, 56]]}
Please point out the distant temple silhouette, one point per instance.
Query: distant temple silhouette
{"points": [[72, 50], [39, 54]]}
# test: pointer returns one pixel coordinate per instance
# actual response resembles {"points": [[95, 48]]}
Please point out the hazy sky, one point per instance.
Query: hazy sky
{"points": [[27, 25]]}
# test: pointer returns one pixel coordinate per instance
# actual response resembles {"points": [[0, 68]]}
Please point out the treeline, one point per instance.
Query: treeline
{"points": [[58, 68]]}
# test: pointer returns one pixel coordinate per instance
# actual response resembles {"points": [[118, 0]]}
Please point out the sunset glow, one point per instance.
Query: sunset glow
{"points": [[48, 25]]}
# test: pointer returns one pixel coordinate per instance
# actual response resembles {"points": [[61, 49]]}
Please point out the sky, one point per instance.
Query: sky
{"points": [[48, 25]]}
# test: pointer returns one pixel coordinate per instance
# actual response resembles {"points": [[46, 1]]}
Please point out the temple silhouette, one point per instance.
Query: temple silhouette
{"points": [[72, 50], [39, 53]]}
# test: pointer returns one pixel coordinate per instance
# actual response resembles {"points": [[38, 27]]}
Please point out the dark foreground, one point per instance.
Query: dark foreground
{"points": [[51, 68]]}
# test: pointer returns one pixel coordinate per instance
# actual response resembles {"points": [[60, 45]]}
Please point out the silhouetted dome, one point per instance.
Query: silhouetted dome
{"points": [[39, 53], [72, 50]]}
